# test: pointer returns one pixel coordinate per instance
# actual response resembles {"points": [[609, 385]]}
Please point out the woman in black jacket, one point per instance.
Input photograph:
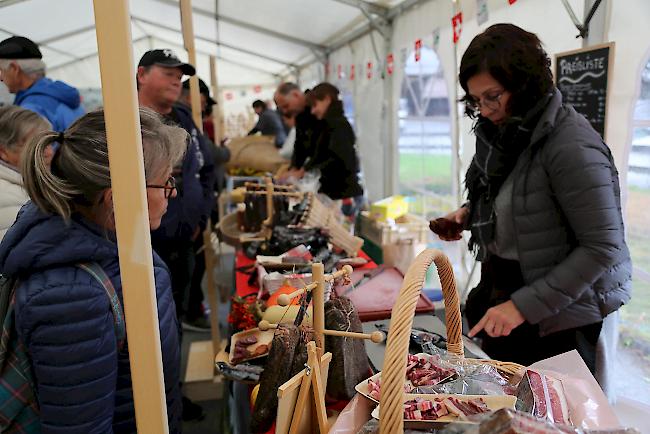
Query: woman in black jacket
{"points": [[544, 210], [336, 155]]}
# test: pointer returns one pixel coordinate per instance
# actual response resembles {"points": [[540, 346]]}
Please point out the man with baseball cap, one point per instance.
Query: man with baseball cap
{"points": [[159, 78], [23, 72]]}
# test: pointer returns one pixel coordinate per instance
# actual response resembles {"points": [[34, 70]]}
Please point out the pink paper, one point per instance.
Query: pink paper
{"points": [[353, 416], [588, 405]]}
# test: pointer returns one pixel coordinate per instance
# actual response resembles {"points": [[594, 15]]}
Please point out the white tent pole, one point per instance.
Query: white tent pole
{"points": [[217, 114], [131, 213], [391, 153], [456, 162], [599, 24], [188, 40]]}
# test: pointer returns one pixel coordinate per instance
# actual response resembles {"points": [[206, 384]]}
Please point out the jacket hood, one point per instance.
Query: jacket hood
{"points": [[38, 240], [58, 90]]}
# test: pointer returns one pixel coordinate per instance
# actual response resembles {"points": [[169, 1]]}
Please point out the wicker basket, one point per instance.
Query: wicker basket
{"points": [[391, 413]]}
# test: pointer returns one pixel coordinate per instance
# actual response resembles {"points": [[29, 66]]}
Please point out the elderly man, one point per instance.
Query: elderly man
{"points": [[159, 87], [23, 72], [291, 101]]}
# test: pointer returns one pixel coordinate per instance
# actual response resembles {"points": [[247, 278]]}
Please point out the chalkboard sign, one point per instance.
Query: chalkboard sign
{"points": [[582, 77]]}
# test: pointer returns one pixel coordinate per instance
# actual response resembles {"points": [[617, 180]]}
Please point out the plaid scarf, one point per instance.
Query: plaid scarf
{"points": [[498, 148]]}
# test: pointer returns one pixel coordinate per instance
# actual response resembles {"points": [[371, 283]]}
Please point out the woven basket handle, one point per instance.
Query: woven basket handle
{"points": [[391, 414]]}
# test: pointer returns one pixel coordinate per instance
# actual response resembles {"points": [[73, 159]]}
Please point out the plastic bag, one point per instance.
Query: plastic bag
{"points": [[353, 416], [508, 421]]}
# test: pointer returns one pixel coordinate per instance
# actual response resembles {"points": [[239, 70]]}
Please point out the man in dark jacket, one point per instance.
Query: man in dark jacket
{"points": [[23, 72], [195, 315], [268, 123], [159, 87], [291, 101]]}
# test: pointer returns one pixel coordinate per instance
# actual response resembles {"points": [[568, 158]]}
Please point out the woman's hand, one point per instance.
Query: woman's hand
{"points": [[499, 320], [450, 227]]}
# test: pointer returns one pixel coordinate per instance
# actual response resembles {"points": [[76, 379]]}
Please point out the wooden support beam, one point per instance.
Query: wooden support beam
{"points": [[131, 213], [188, 40]]}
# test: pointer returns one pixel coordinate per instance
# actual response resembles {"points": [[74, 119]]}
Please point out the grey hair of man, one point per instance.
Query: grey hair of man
{"points": [[80, 173], [17, 124], [286, 88], [33, 68]]}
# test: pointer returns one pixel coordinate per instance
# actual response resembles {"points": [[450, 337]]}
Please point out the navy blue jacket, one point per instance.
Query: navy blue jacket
{"points": [[64, 318], [56, 101], [195, 179]]}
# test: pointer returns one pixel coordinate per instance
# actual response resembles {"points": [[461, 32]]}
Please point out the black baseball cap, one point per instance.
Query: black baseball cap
{"points": [[166, 58], [19, 47], [203, 88]]}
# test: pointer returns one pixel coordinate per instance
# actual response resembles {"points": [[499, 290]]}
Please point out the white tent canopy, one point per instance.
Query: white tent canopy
{"points": [[260, 43]]}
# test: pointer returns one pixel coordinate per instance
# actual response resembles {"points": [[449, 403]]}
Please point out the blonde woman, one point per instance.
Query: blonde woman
{"points": [[17, 127], [63, 317]]}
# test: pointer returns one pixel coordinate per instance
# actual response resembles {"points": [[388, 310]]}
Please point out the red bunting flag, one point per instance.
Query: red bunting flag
{"points": [[257, 88], [418, 49], [390, 63], [369, 70], [351, 72], [457, 25], [512, 1]]}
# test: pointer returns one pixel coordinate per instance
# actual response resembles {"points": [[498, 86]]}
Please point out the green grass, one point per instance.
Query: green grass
{"points": [[635, 317], [429, 172]]}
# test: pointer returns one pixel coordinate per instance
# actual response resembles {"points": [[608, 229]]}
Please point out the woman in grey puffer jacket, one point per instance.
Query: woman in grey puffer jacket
{"points": [[543, 208]]}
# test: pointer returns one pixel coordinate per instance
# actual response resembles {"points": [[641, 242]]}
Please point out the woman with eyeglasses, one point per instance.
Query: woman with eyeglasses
{"points": [[17, 126], [63, 316], [543, 209]]}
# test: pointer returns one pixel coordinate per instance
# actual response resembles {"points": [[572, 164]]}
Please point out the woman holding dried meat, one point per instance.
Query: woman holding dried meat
{"points": [[543, 208]]}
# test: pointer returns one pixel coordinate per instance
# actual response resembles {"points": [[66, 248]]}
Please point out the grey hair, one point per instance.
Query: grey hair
{"points": [[80, 173], [33, 68], [285, 88], [17, 125]]}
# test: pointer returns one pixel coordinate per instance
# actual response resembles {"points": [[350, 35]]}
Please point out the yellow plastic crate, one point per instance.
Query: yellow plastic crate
{"points": [[390, 208]]}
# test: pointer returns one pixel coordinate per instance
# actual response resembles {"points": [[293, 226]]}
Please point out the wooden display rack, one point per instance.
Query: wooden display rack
{"points": [[306, 390], [269, 190]]}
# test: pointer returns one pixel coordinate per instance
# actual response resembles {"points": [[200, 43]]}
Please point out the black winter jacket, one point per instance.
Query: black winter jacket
{"points": [[569, 226], [336, 156]]}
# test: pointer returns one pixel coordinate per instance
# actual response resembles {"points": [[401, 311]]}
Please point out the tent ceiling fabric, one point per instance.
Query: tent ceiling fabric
{"points": [[295, 32]]}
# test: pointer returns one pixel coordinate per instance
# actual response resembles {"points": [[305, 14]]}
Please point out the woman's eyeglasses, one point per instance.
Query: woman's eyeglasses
{"points": [[169, 187], [490, 101]]}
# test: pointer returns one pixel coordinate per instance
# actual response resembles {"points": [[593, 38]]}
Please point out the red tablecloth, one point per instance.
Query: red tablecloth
{"points": [[241, 279], [242, 288]]}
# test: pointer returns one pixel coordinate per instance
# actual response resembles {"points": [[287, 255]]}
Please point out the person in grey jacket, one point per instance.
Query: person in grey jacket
{"points": [[269, 123], [543, 208]]}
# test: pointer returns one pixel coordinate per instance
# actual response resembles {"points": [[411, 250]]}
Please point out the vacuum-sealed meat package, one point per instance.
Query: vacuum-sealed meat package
{"points": [[543, 397]]}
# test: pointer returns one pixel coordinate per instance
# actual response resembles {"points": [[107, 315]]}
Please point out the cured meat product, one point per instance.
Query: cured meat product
{"points": [[241, 351], [349, 365], [462, 409], [425, 409], [425, 372], [543, 396], [286, 358]]}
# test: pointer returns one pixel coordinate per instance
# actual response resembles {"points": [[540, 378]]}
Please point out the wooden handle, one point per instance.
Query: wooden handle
{"points": [[391, 415], [285, 299], [375, 337]]}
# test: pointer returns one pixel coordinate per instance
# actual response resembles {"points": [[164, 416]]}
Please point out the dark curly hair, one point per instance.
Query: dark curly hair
{"points": [[515, 58]]}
